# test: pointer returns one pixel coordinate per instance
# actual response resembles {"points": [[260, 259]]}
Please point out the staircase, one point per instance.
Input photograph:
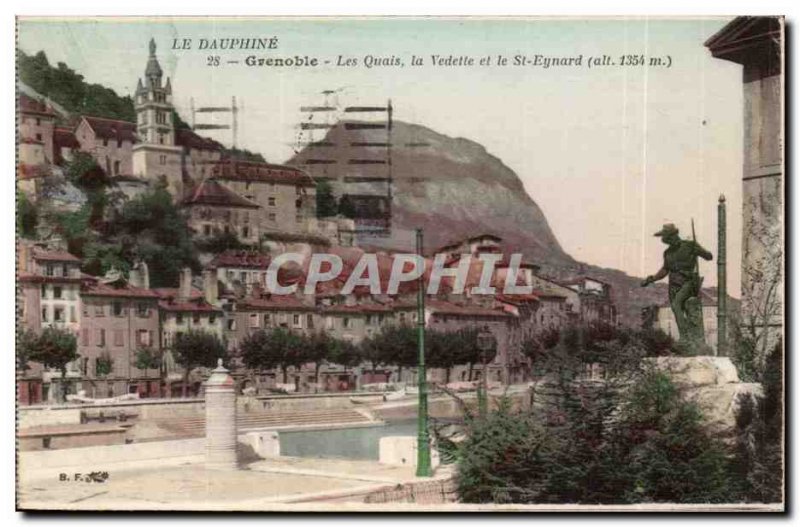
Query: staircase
{"points": [[187, 427]]}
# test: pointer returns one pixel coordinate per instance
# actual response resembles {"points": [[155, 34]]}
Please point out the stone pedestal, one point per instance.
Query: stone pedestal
{"points": [[220, 420], [266, 444]]}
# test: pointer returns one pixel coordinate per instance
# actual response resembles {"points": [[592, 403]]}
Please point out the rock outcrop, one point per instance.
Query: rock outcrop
{"points": [[712, 383]]}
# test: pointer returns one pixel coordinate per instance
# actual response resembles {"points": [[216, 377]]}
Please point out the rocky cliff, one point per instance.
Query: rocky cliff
{"points": [[454, 189]]}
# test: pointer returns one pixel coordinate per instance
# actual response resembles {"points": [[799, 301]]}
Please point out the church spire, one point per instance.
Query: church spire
{"points": [[153, 73]]}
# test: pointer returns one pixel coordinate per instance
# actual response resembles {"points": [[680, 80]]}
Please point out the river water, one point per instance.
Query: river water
{"points": [[344, 443]]}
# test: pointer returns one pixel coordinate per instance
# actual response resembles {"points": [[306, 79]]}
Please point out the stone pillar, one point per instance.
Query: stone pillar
{"points": [[221, 431]]}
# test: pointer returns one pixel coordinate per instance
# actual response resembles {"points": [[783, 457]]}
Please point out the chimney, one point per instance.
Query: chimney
{"points": [[210, 286], [185, 285], [139, 275], [144, 274]]}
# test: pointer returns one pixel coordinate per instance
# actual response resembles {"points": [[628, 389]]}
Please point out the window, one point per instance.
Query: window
{"points": [[254, 320], [346, 323], [44, 291], [44, 314], [271, 201], [105, 142], [99, 311], [72, 317], [101, 337], [142, 310], [57, 292], [245, 232], [298, 190], [329, 322], [143, 337], [162, 160], [267, 319], [38, 122], [231, 324], [271, 216], [116, 168], [212, 318], [84, 337], [49, 271], [207, 230], [243, 276], [64, 270], [86, 310], [118, 309], [310, 321], [195, 318], [58, 314], [179, 318], [119, 337], [297, 321]]}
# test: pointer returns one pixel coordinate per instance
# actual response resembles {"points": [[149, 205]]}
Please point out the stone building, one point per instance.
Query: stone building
{"points": [[240, 269], [286, 195], [117, 320], [757, 44], [155, 156], [109, 141], [212, 209], [596, 301], [37, 123], [49, 283]]}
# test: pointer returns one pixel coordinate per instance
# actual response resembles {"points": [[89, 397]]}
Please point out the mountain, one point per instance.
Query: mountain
{"points": [[453, 188]]}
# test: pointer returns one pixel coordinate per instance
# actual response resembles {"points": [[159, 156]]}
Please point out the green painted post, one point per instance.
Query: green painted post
{"points": [[423, 439], [722, 280]]}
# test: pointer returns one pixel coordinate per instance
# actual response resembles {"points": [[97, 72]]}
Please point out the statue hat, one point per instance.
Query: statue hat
{"points": [[667, 229]]}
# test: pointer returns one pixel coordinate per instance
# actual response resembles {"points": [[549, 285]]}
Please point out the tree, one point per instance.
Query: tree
{"points": [[397, 345], [326, 200], [220, 242], [197, 348], [148, 358], [54, 348], [27, 216], [278, 347], [346, 207], [319, 347]]}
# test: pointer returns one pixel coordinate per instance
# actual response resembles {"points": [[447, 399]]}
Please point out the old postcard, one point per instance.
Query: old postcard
{"points": [[382, 264]]}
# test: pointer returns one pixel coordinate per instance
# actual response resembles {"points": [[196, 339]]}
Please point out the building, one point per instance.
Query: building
{"points": [[117, 320], [286, 195], [757, 44], [49, 282], [37, 124], [241, 269], [596, 302], [156, 157], [109, 141], [213, 209]]}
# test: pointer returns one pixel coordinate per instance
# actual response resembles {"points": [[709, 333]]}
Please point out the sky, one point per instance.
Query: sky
{"points": [[609, 153]]}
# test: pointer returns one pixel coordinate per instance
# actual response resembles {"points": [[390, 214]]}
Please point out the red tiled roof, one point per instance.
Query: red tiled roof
{"points": [[187, 138], [273, 303], [213, 193], [250, 259], [112, 128], [185, 307], [28, 104], [261, 172], [447, 308], [120, 289], [517, 299], [357, 309], [29, 141], [170, 293], [46, 255], [64, 138]]}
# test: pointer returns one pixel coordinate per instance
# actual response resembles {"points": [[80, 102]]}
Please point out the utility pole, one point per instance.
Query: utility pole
{"points": [[722, 280], [423, 439]]}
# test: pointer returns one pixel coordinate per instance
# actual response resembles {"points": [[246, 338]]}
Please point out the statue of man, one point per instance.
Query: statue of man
{"points": [[680, 264]]}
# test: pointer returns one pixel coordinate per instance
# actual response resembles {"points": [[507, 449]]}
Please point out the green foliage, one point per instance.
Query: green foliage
{"points": [[198, 348], [148, 359], [104, 365], [27, 216], [220, 242], [68, 89], [278, 347], [326, 200], [54, 348], [596, 443], [242, 154], [346, 207]]}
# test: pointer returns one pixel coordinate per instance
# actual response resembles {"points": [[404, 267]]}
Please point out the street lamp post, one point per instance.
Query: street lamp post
{"points": [[423, 439], [485, 345]]}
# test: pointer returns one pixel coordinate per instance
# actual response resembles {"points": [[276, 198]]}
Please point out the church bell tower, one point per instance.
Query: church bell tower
{"points": [[155, 155]]}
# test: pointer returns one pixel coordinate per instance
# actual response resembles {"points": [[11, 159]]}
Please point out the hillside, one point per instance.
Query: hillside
{"points": [[454, 188]]}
